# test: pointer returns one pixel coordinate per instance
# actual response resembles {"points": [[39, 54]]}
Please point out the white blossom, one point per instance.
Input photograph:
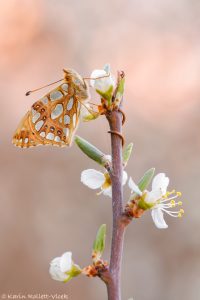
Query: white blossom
{"points": [[62, 268], [159, 200], [104, 80], [98, 180]]}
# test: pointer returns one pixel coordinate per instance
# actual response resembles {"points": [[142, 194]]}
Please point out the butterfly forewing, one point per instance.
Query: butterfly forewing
{"points": [[52, 120]]}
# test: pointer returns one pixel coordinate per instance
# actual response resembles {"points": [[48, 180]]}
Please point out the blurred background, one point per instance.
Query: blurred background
{"points": [[45, 210]]}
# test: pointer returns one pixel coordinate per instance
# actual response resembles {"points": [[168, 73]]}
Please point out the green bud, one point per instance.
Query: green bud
{"points": [[127, 153], [90, 150], [120, 90], [146, 179], [99, 243]]}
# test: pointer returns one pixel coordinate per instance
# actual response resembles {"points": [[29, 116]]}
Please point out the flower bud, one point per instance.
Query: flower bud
{"points": [[63, 269], [91, 151], [127, 153], [104, 83], [99, 243]]}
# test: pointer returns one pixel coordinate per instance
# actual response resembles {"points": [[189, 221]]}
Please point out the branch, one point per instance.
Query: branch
{"points": [[114, 284]]}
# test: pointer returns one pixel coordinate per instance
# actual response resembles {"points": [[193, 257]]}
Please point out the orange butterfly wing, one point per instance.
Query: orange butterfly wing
{"points": [[52, 120]]}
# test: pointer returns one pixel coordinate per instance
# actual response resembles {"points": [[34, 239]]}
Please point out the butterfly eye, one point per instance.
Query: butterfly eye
{"points": [[77, 81]]}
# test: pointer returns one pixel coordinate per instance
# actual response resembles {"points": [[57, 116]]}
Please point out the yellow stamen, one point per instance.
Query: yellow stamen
{"points": [[179, 194], [180, 203], [173, 203], [107, 182], [181, 211]]}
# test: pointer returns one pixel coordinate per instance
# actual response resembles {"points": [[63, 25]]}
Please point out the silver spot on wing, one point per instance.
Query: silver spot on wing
{"points": [[44, 100], [65, 87], [74, 119], [70, 104], [66, 119], [42, 134], [66, 131], [57, 139], [35, 117], [38, 125], [57, 111], [55, 95], [50, 136]]}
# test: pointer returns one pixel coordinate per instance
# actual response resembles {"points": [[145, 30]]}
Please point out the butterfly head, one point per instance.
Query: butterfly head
{"points": [[79, 83]]}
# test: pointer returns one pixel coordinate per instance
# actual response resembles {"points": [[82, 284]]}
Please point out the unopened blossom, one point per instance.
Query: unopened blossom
{"points": [[63, 269], [159, 200], [97, 180], [104, 81]]}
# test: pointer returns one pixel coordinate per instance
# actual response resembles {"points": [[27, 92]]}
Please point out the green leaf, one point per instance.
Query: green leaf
{"points": [[99, 243], [146, 179], [127, 153], [143, 184], [90, 150], [106, 95]]}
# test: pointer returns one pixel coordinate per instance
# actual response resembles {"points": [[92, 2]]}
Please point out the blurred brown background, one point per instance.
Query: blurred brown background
{"points": [[44, 208]]}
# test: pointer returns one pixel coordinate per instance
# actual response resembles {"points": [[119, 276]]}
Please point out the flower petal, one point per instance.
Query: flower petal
{"points": [[124, 178], [153, 196], [55, 271], [107, 192], [66, 262], [161, 182], [108, 157], [133, 186], [101, 84], [157, 216], [92, 178]]}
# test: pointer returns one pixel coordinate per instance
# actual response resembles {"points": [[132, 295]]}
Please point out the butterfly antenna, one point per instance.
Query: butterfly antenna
{"points": [[35, 90], [90, 78]]}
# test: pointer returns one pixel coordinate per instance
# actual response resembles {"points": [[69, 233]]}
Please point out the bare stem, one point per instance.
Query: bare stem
{"points": [[114, 283]]}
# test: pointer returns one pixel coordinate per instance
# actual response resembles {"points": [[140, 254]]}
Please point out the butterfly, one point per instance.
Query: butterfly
{"points": [[54, 118]]}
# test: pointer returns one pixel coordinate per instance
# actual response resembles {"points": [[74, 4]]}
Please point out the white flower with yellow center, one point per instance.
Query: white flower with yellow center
{"points": [[98, 180], [158, 199], [63, 269]]}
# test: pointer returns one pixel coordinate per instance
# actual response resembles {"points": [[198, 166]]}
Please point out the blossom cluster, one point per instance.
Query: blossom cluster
{"points": [[158, 200]]}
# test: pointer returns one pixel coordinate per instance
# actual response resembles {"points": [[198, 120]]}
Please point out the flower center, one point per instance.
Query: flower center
{"points": [[167, 202], [107, 182]]}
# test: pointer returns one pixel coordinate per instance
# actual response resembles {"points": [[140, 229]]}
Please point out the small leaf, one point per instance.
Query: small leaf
{"points": [[106, 95], [90, 150], [127, 153], [120, 90], [99, 243], [144, 182], [146, 179]]}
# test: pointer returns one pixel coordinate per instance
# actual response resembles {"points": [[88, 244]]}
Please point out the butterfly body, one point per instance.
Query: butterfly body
{"points": [[54, 118]]}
